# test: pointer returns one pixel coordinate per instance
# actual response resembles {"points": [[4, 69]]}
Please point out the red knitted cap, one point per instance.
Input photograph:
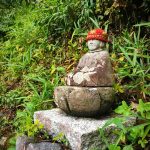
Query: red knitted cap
{"points": [[97, 34]]}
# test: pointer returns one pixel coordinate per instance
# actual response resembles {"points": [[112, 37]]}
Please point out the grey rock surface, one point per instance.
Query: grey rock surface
{"points": [[82, 133], [93, 69], [26, 143], [22, 142], [43, 146], [84, 101]]}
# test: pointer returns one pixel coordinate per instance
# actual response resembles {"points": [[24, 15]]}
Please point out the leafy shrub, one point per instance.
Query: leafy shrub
{"points": [[134, 136], [121, 14], [131, 63]]}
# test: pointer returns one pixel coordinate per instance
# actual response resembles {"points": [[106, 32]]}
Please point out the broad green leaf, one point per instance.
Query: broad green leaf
{"points": [[114, 147], [128, 147], [144, 109], [117, 121], [147, 115], [143, 142], [124, 109], [58, 137], [61, 69], [118, 88], [146, 132], [137, 131], [12, 148]]}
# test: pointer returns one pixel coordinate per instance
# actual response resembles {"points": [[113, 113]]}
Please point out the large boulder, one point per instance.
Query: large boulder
{"points": [[84, 101], [94, 69]]}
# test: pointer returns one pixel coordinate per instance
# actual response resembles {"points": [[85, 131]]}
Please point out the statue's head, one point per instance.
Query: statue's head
{"points": [[96, 39]]}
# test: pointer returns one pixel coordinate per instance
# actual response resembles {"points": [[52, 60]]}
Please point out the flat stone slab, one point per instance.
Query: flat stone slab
{"points": [[82, 133]]}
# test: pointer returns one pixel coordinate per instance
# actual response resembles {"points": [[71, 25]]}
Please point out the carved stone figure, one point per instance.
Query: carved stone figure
{"points": [[89, 89], [94, 68]]}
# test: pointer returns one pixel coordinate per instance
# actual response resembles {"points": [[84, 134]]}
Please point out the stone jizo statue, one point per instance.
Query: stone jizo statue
{"points": [[94, 68], [88, 91]]}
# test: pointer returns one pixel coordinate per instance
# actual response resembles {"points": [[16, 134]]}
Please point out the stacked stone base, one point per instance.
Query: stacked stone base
{"points": [[84, 101]]}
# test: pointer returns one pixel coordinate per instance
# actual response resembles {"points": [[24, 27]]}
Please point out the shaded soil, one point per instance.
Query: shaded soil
{"points": [[6, 125]]}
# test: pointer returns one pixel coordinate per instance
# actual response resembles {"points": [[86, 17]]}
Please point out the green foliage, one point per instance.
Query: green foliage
{"points": [[120, 14], [12, 3], [60, 137], [12, 143], [12, 98], [124, 109], [130, 136], [31, 129], [131, 62]]}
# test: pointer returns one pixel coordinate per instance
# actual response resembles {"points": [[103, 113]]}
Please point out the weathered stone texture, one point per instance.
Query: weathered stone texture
{"points": [[26, 143], [94, 69], [22, 142], [82, 133], [84, 101], [44, 146]]}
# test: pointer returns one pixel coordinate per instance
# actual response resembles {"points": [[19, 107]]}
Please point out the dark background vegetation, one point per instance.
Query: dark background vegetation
{"points": [[42, 40]]}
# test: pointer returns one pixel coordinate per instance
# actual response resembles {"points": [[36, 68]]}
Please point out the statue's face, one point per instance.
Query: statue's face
{"points": [[95, 44]]}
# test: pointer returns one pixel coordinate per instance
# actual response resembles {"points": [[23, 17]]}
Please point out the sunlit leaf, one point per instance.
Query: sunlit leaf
{"points": [[124, 109], [128, 147]]}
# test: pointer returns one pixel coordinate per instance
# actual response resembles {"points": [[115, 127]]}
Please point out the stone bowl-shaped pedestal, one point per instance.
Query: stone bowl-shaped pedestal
{"points": [[84, 101]]}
